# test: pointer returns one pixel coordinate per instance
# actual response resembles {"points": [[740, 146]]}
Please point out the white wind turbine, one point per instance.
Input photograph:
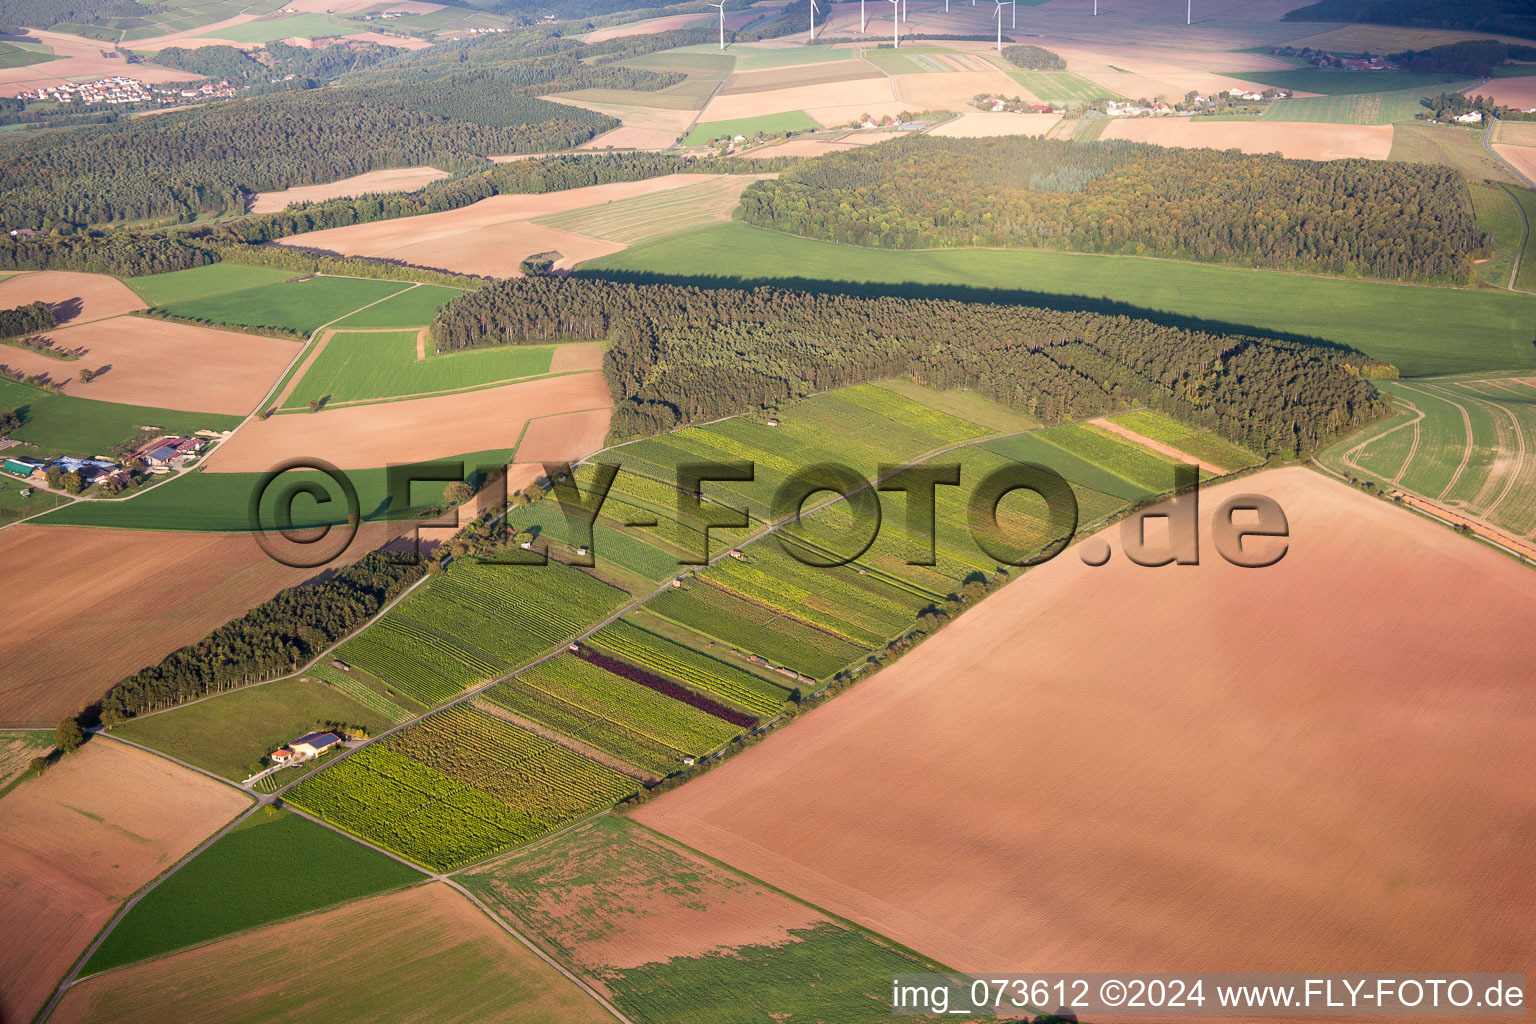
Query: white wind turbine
{"points": [[999, 15], [720, 5], [895, 24], [814, 9]]}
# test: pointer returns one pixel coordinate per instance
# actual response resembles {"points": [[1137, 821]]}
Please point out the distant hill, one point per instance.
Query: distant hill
{"points": [[1509, 17]]}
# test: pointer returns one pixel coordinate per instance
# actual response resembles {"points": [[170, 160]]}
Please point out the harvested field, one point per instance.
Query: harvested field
{"points": [[640, 28], [1299, 141], [389, 39], [17, 749], [564, 438], [424, 947], [643, 218], [75, 298], [1523, 158], [978, 125], [778, 101], [150, 592], [1514, 133], [643, 127], [163, 365], [363, 436], [828, 75], [580, 882], [568, 358], [79, 840], [793, 147], [403, 179], [1283, 786], [952, 91], [492, 236]]}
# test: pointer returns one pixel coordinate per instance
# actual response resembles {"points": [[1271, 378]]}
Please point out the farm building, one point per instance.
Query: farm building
{"points": [[281, 755], [170, 449], [315, 744], [90, 470], [22, 467]]}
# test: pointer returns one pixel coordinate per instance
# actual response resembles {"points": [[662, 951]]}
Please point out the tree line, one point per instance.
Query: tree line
{"points": [[1397, 221], [28, 319], [1033, 58], [679, 355], [273, 638]]}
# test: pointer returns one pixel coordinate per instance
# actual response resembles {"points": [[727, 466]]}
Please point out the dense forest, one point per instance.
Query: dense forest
{"points": [[1397, 221], [43, 13], [1033, 58], [1475, 58], [1512, 17], [679, 355], [28, 319], [274, 637], [205, 160], [118, 253], [278, 59]]}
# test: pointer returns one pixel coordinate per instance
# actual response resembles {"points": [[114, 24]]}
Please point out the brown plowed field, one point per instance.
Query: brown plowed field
{"points": [[568, 358], [804, 97], [75, 298], [79, 840], [640, 28], [101, 604], [163, 365], [1299, 141], [81, 59], [1523, 157], [568, 437], [363, 436], [1319, 766], [423, 954], [999, 122], [492, 236], [827, 75]]}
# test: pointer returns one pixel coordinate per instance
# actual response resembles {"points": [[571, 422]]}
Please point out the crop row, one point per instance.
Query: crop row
{"points": [[359, 691], [777, 638], [665, 687], [551, 712], [630, 704], [693, 668]]}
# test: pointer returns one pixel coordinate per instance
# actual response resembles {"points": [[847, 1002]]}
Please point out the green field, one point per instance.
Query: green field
{"points": [[1202, 444], [644, 218], [1472, 450], [690, 94], [203, 282], [13, 506], [219, 502], [1499, 215], [303, 26], [1526, 281], [1422, 330], [414, 307], [1331, 82], [458, 787], [12, 56], [713, 63], [1450, 145], [750, 59], [57, 424], [272, 866], [356, 367], [1354, 108], [769, 124], [453, 632], [607, 878], [1054, 86], [230, 734], [300, 306]]}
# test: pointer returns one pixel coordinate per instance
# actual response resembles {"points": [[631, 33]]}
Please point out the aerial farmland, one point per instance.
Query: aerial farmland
{"points": [[769, 511]]}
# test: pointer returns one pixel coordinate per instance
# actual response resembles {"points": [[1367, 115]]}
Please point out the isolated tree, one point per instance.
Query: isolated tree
{"points": [[68, 736], [38, 765], [9, 421], [86, 375]]}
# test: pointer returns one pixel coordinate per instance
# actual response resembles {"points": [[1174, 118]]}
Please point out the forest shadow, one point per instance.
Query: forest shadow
{"points": [[968, 293]]}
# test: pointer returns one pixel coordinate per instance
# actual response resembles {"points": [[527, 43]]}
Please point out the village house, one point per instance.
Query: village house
{"points": [[1470, 117]]}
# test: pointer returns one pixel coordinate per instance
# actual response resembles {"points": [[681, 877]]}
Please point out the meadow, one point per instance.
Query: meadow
{"points": [[1526, 279], [12, 56], [1451, 145], [1498, 214], [359, 366], [303, 26], [1330, 82], [768, 124], [289, 305], [643, 218], [425, 946], [203, 282], [1421, 330], [1352, 108], [220, 502], [231, 733], [676, 937], [1202, 444], [271, 866], [1058, 86], [1473, 450], [413, 307], [62, 425], [13, 506]]}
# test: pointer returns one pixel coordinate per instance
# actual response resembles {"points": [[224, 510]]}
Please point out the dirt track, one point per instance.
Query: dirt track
{"points": [[79, 840], [1188, 768]]}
